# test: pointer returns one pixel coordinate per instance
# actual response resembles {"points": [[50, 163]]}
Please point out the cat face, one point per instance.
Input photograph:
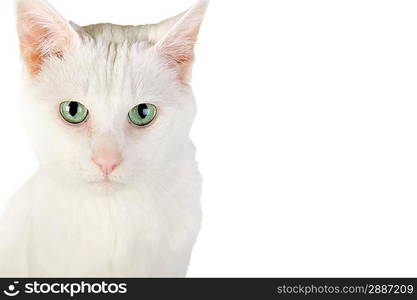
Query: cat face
{"points": [[107, 103]]}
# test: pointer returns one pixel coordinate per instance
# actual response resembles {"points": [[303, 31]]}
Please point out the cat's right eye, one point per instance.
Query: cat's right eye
{"points": [[73, 112]]}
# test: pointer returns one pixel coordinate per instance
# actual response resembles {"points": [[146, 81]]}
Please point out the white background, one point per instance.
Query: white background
{"points": [[306, 131]]}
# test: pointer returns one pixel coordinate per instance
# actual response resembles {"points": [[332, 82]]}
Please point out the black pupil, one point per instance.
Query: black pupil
{"points": [[143, 111], [73, 108]]}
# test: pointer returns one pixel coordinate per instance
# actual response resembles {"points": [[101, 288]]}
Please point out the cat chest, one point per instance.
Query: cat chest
{"points": [[102, 235]]}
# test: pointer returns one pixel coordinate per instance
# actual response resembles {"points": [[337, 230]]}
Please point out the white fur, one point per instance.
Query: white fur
{"points": [[66, 221]]}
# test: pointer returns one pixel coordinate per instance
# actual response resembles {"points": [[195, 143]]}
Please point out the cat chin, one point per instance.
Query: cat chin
{"points": [[105, 186], [87, 181]]}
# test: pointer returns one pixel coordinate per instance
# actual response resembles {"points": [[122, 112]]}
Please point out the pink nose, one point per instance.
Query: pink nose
{"points": [[107, 161]]}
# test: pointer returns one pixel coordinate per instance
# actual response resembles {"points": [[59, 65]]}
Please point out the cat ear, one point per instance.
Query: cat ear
{"points": [[42, 32], [177, 37]]}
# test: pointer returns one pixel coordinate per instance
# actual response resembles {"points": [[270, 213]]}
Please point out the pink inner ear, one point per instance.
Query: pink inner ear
{"points": [[177, 47], [30, 44], [42, 33], [179, 50], [181, 62]]}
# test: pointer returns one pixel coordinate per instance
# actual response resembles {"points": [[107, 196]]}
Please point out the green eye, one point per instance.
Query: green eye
{"points": [[73, 112], [142, 114]]}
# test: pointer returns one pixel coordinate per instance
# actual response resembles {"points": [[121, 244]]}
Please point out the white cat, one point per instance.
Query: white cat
{"points": [[109, 110]]}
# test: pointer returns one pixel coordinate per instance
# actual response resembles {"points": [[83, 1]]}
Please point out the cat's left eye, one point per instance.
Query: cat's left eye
{"points": [[73, 112], [142, 114]]}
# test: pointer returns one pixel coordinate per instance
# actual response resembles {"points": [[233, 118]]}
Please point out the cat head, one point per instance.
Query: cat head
{"points": [[107, 103]]}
